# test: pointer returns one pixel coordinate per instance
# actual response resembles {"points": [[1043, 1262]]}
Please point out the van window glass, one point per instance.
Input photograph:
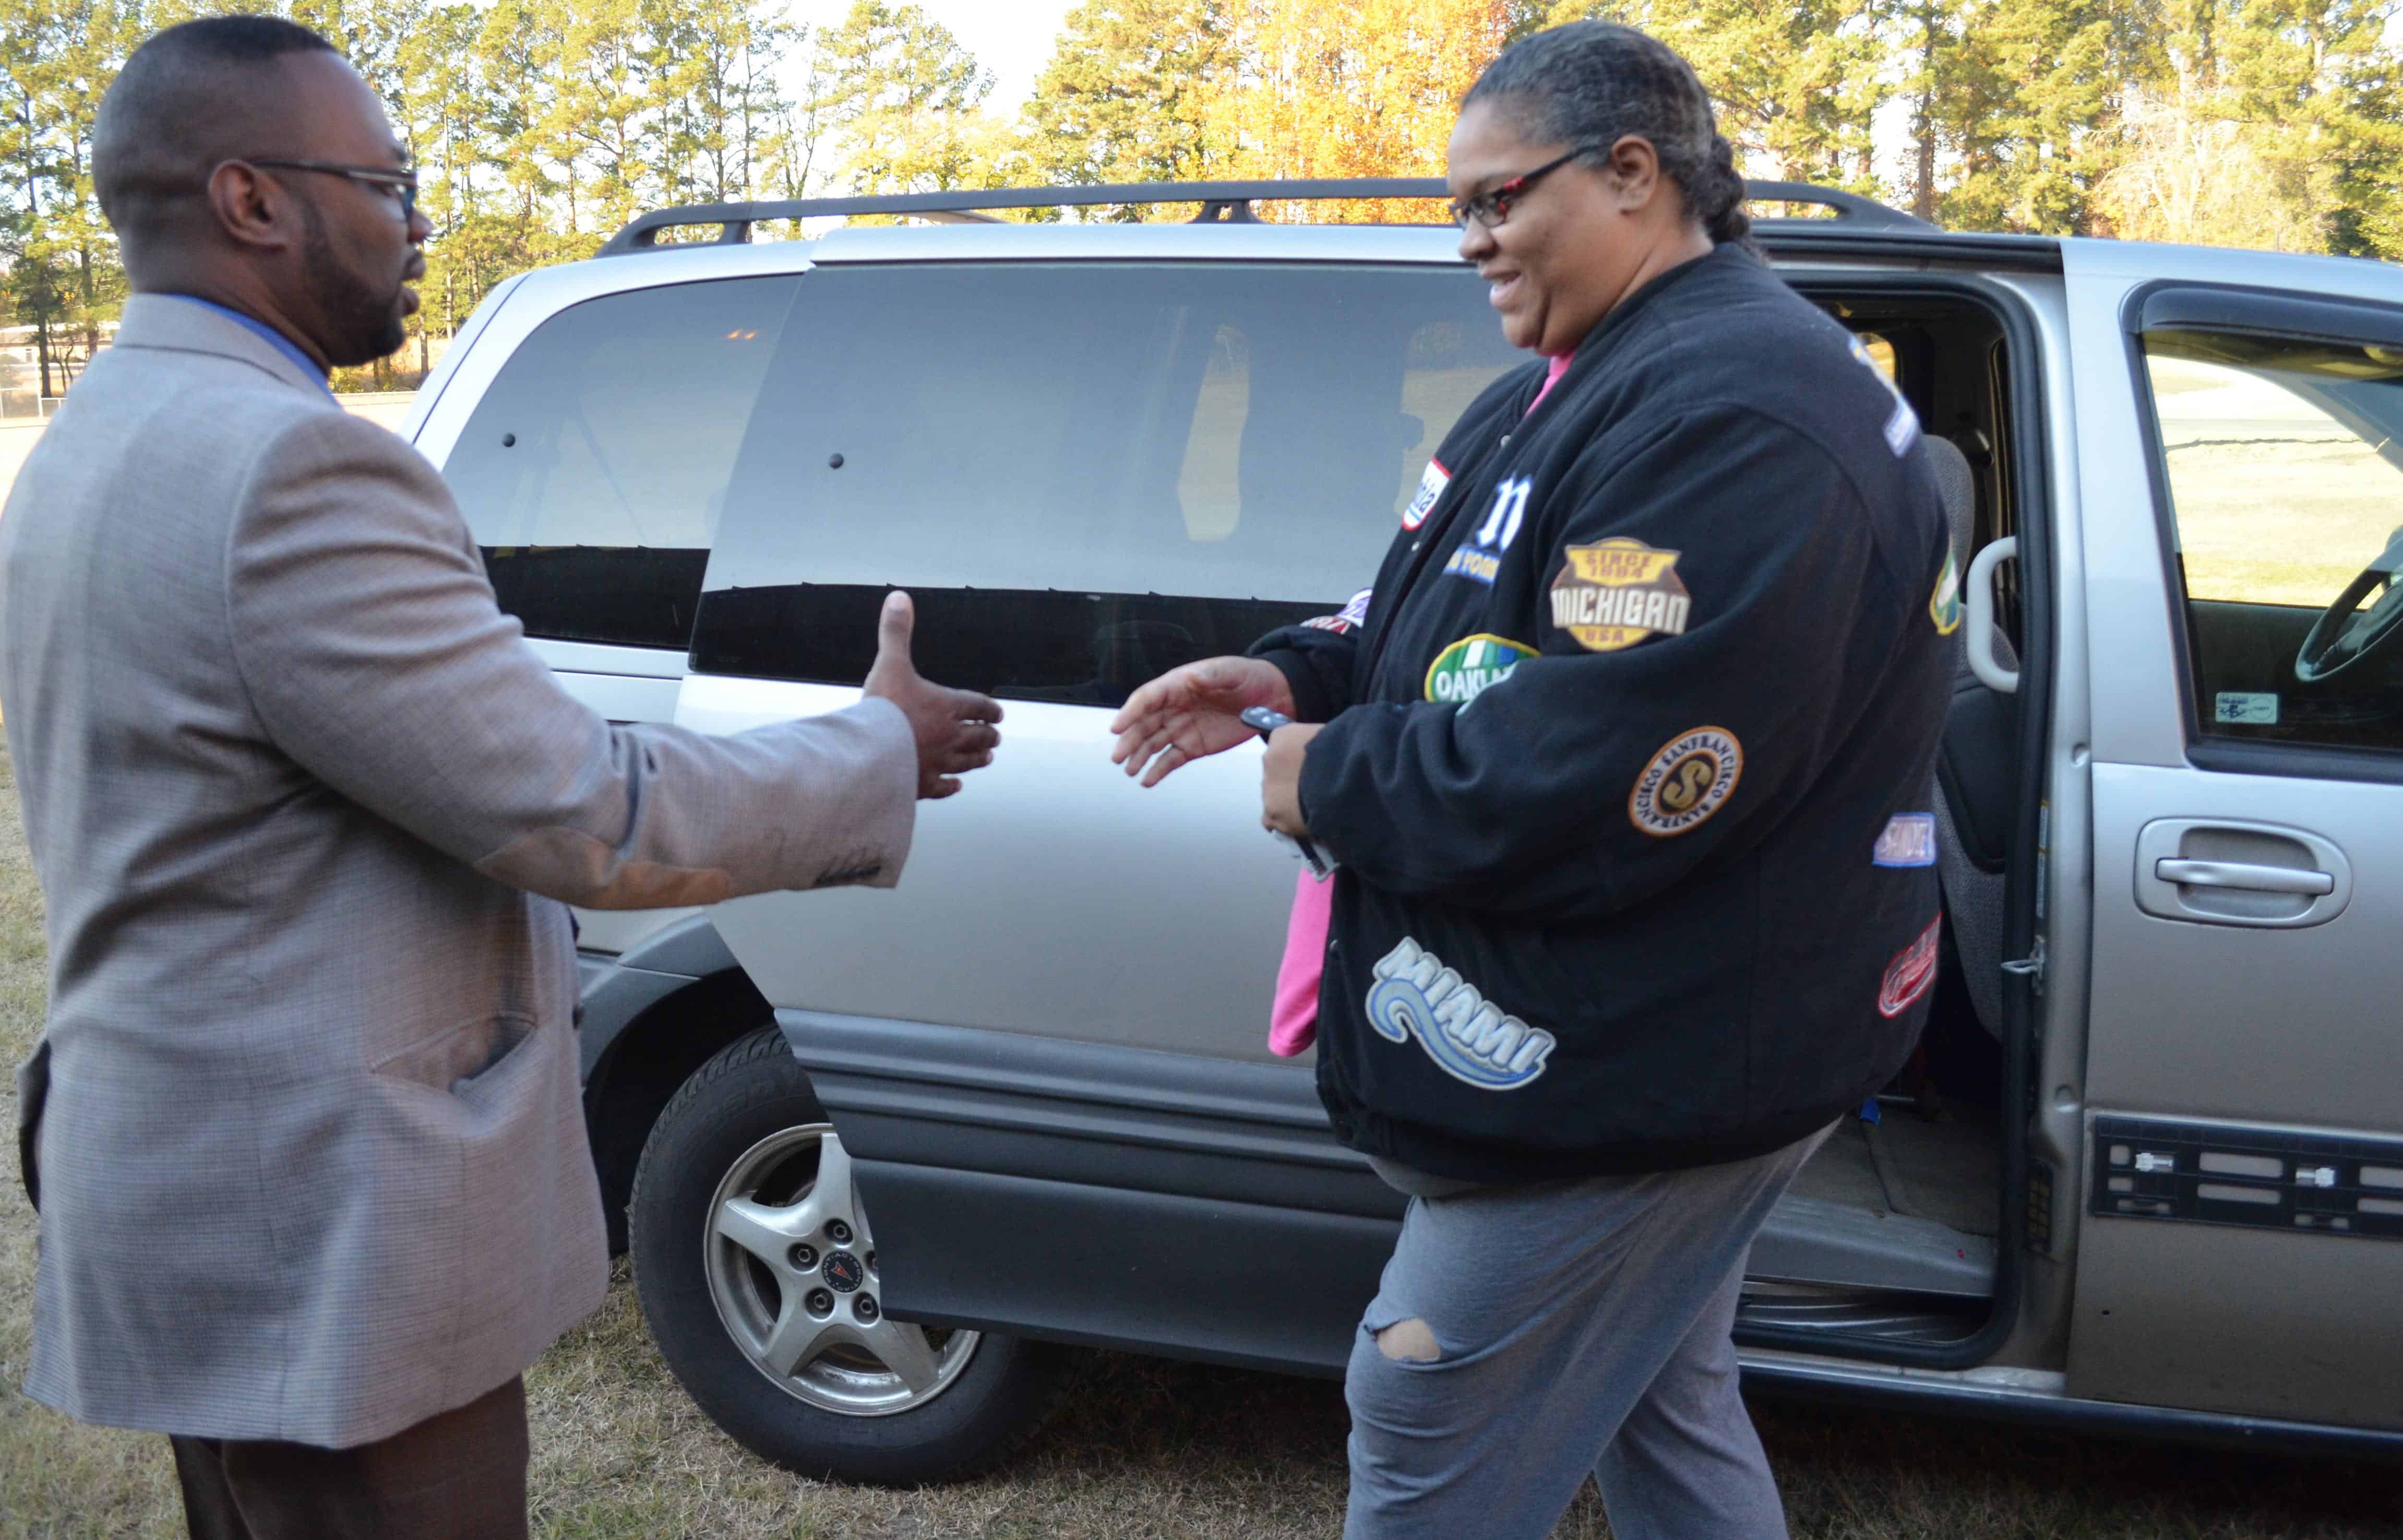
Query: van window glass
{"points": [[594, 468], [2285, 482], [1087, 473]]}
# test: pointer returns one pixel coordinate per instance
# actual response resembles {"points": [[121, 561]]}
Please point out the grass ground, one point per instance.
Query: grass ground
{"points": [[1144, 1450]]}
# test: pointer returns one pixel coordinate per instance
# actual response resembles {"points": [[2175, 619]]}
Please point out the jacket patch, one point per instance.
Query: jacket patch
{"points": [[1944, 604], [1909, 839], [1911, 971], [1468, 668], [1351, 617], [1431, 484], [1616, 594], [1481, 558], [1902, 425], [1686, 782], [1415, 995]]}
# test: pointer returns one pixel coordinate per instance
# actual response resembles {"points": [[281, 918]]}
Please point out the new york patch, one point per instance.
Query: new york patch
{"points": [[1908, 839], [1618, 593], [1944, 604], [1911, 971], [1472, 665], [1469, 1038], [1686, 782], [1431, 484]]}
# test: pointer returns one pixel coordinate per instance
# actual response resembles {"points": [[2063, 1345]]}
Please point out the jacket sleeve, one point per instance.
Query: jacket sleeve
{"points": [[1316, 657], [1604, 769], [366, 632]]}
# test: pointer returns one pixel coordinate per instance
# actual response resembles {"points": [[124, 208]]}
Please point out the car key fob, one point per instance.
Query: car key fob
{"points": [[1265, 720]]}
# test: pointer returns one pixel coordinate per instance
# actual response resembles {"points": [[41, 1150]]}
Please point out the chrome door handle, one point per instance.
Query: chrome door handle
{"points": [[2236, 874]]}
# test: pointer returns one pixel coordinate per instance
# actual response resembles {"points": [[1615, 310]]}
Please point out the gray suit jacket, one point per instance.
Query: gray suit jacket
{"points": [[303, 802]]}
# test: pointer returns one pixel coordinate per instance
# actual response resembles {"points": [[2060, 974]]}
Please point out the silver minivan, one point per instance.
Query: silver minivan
{"points": [[2146, 1172]]}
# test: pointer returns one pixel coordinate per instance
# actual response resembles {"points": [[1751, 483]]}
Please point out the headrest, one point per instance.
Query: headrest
{"points": [[1958, 485]]}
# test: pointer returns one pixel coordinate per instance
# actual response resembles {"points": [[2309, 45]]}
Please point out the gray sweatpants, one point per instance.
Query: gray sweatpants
{"points": [[1580, 1327]]}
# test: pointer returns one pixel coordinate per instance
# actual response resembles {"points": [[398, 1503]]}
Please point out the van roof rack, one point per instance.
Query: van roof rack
{"points": [[1229, 202]]}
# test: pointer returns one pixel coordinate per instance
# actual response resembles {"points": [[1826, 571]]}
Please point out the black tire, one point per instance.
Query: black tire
{"points": [[751, 1092]]}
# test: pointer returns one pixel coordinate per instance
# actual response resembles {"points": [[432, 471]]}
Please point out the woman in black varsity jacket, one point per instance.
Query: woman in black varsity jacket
{"points": [[1629, 766]]}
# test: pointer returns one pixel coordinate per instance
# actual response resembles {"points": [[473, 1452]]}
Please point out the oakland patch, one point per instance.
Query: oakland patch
{"points": [[1470, 666], [1618, 593], [1686, 782], [1944, 604]]}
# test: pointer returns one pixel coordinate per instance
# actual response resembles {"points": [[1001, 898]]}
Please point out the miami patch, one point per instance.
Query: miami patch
{"points": [[1618, 593], [1470, 666], [1469, 1038], [1431, 484], [1908, 839], [1911, 971], [1686, 782], [1944, 604]]}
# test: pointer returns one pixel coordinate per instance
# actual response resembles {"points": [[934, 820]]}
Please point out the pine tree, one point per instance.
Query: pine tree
{"points": [[1124, 97]]}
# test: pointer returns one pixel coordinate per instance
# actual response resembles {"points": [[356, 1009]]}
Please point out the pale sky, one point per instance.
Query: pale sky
{"points": [[1012, 38]]}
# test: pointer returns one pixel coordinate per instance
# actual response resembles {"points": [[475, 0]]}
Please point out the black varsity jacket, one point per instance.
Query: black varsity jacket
{"points": [[1630, 757]]}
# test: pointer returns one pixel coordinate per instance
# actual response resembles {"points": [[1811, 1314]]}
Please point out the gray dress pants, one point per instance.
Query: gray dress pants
{"points": [[1579, 1325]]}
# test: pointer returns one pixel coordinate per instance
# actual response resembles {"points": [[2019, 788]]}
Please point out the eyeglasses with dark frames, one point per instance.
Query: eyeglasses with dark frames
{"points": [[1492, 207], [400, 185]]}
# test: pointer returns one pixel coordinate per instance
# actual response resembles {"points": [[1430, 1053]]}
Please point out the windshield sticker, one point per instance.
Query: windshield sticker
{"points": [[1618, 593], [1944, 604], [1469, 667], [2244, 708], [1469, 1039], [1431, 484], [1911, 971], [1908, 840], [1686, 782]]}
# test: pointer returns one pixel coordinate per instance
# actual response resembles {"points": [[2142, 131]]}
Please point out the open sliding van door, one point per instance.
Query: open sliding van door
{"points": [[2241, 435]]}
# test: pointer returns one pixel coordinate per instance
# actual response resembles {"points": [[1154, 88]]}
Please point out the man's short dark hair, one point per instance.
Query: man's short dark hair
{"points": [[187, 99]]}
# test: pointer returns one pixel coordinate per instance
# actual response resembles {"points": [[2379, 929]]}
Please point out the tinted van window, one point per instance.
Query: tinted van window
{"points": [[1088, 473], [594, 469]]}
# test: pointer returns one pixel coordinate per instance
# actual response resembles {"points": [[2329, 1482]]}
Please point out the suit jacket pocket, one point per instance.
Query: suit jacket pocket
{"points": [[455, 1060]]}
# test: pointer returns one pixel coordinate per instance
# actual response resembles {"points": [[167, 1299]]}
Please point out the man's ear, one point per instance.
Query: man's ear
{"points": [[1635, 174], [252, 209]]}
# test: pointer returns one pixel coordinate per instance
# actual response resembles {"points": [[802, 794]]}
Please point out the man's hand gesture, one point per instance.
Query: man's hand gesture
{"points": [[1192, 712], [955, 729]]}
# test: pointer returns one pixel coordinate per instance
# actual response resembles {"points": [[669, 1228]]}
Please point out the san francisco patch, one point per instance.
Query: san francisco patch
{"points": [[1431, 484], [1911, 971], [1944, 604], [1618, 593], [1690, 779], [1468, 1037], [1470, 666]]}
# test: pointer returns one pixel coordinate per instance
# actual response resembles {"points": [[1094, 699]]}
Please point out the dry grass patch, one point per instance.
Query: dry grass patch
{"points": [[1143, 1449]]}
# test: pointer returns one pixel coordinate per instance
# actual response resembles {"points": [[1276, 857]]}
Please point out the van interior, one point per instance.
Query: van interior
{"points": [[1893, 1229]]}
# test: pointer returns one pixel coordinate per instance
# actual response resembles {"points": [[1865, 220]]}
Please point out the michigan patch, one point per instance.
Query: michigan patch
{"points": [[1431, 484], [1467, 669], [1944, 604], [1908, 839], [1618, 593], [1686, 782], [1469, 1038], [1911, 971]]}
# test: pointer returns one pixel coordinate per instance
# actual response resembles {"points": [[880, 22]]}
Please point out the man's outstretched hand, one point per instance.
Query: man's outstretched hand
{"points": [[955, 729], [1192, 712]]}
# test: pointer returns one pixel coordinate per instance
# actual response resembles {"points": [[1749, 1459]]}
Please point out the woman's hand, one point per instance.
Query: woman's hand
{"points": [[1192, 712], [1281, 779]]}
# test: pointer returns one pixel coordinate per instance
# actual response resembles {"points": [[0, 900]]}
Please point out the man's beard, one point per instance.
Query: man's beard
{"points": [[363, 325]]}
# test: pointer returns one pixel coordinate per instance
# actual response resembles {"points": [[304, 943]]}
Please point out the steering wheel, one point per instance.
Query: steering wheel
{"points": [[2340, 638]]}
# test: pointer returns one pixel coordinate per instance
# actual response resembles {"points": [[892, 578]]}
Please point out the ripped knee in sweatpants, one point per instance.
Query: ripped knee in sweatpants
{"points": [[1410, 1341]]}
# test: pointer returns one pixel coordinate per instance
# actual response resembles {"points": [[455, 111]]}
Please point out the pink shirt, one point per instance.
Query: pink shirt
{"points": [[1293, 1015]]}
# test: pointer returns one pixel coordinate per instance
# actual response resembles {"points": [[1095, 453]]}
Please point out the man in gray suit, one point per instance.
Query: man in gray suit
{"points": [[306, 808]]}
